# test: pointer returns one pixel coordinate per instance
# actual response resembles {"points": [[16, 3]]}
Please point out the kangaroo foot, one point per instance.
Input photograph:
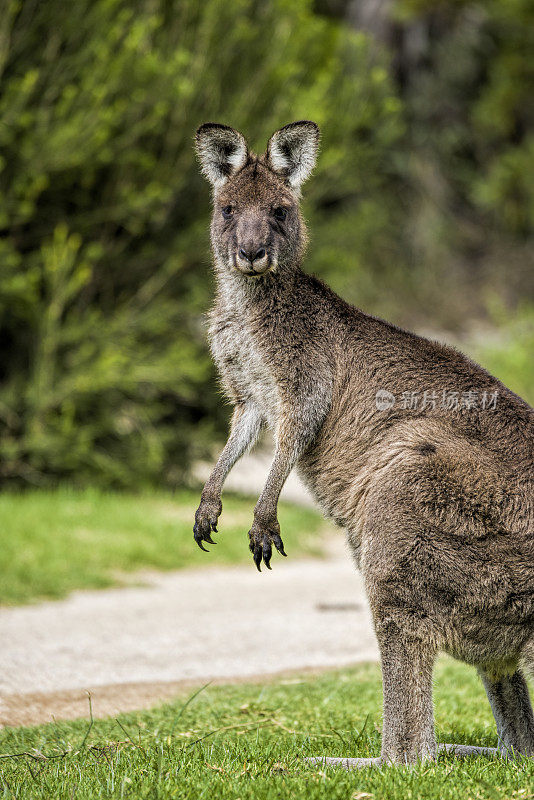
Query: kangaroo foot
{"points": [[262, 536], [467, 750], [457, 750]]}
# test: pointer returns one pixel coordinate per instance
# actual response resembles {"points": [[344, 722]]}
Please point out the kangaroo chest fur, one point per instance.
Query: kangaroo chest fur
{"points": [[242, 364]]}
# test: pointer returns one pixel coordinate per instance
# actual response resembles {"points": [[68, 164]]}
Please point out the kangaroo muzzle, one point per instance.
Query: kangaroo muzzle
{"points": [[252, 260]]}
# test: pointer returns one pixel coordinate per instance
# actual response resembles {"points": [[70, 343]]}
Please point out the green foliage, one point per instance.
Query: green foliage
{"points": [[422, 199], [250, 742], [508, 349], [53, 542], [104, 217], [468, 86]]}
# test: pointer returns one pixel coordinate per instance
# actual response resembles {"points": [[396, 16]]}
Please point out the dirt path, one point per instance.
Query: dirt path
{"points": [[133, 647]]}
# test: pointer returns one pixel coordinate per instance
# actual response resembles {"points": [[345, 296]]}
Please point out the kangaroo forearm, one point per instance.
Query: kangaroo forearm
{"points": [[293, 437], [244, 432], [281, 466]]}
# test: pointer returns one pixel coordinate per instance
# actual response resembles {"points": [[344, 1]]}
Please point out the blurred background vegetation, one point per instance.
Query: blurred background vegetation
{"points": [[421, 209]]}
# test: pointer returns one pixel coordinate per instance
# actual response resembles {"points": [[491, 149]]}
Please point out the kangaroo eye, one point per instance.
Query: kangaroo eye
{"points": [[280, 213], [227, 212]]}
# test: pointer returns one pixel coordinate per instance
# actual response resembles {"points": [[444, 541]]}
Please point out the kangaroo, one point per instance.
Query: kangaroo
{"points": [[423, 457]]}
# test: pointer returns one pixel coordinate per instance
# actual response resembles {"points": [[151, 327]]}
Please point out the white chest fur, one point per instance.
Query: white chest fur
{"points": [[242, 365]]}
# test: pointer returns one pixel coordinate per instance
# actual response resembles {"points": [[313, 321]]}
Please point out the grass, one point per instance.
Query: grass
{"points": [[52, 542], [249, 741]]}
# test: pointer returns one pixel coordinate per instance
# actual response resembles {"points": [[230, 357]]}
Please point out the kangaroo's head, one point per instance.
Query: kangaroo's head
{"points": [[257, 228]]}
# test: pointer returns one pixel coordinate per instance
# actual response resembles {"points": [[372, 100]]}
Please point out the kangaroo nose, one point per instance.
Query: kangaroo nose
{"points": [[251, 255]]}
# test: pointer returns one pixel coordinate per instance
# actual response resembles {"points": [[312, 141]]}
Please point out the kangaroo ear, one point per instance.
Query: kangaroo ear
{"points": [[292, 151], [221, 150]]}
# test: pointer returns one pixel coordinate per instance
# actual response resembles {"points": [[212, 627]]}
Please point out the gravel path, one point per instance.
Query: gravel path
{"points": [[132, 647]]}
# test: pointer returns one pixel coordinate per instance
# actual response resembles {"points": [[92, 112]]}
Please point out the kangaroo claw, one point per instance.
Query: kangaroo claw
{"points": [[262, 537], [278, 543], [205, 522], [267, 551]]}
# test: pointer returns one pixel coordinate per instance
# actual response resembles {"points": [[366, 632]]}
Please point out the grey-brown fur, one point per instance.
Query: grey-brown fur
{"points": [[438, 504]]}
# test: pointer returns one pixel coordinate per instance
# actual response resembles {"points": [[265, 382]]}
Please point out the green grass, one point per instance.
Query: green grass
{"points": [[249, 741], [52, 542]]}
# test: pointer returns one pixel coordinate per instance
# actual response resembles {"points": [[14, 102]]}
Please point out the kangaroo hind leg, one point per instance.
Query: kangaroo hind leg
{"points": [[510, 702]]}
